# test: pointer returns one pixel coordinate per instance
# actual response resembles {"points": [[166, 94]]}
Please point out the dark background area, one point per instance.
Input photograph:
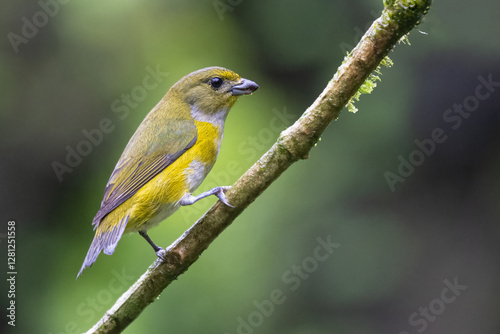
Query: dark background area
{"points": [[401, 245]]}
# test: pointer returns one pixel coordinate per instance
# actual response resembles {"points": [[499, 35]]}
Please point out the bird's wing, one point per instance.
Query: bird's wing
{"points": [[144, 158]]}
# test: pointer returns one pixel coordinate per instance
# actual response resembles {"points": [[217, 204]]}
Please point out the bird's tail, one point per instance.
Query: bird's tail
{"points": [[105, 240]]}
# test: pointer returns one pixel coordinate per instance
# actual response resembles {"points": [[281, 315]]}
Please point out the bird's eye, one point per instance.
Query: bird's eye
{"points": [[216, 82]]}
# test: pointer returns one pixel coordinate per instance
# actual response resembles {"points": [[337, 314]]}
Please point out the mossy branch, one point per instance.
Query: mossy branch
{"points": [[397, 19]]}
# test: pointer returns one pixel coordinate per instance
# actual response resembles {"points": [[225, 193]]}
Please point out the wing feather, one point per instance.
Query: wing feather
{"points": [[143, 160]]}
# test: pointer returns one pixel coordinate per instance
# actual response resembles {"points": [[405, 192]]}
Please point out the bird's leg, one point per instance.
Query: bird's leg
{"points": [[158, 250], [217, 191]]}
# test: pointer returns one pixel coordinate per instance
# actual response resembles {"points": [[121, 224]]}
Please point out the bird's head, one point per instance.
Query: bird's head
{"points": [[212, 90]]}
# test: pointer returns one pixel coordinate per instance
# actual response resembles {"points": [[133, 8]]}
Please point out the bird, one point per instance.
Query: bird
{"points": [[167, 158]]}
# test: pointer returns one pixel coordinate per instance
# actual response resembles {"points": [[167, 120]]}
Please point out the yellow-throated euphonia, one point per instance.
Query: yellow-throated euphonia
{"points": [[167, 158]]}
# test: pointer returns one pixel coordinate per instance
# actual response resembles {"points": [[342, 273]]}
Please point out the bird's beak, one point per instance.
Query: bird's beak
{"points": [[245, 87]]}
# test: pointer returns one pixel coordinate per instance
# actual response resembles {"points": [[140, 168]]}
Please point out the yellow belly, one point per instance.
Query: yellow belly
{"points": [[159, 198]]}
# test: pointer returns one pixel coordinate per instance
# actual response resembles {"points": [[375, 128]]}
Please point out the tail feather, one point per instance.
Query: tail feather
{"points": [[104, 241]]}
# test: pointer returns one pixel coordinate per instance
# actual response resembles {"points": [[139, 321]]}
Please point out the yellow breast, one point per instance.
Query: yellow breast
{"points": [[159, 198]]}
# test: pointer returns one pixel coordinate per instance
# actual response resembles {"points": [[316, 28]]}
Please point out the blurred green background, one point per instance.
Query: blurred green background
{"points": [[400, 247]]}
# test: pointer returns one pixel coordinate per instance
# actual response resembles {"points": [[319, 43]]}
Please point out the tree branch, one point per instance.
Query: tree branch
{"points": [[397, 19]]}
